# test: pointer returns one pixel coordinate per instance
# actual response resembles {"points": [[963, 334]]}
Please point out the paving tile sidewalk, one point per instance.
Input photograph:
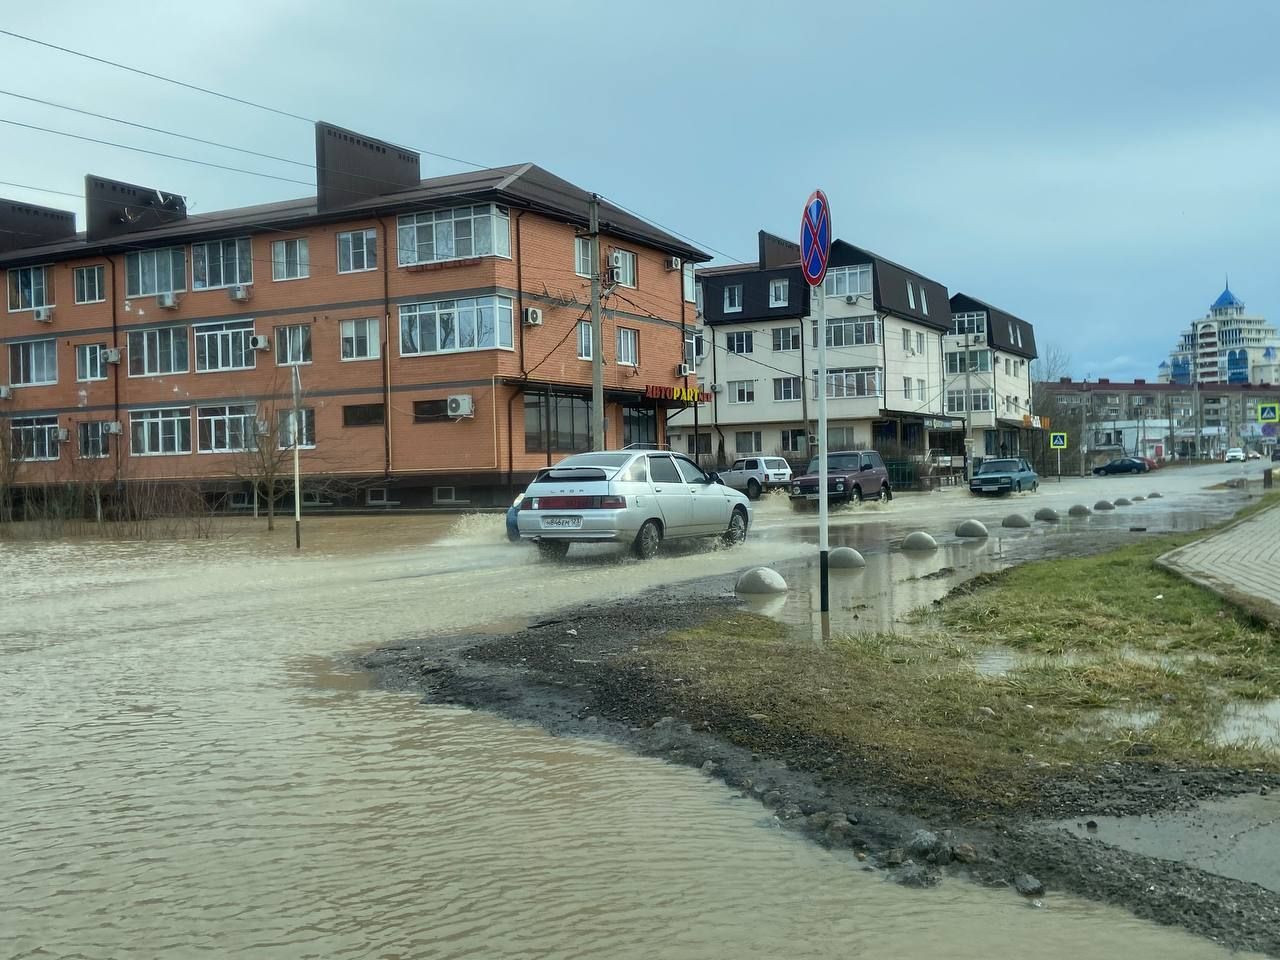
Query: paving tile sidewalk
{"points": [[1242, 562]]}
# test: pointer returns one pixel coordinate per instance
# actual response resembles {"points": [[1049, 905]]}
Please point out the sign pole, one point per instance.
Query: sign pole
{"points": [[815, 246], [1059, 464], [296, 416]]}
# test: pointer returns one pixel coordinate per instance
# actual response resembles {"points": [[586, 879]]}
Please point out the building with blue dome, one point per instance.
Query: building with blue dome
{"points": [[1226, 345]]}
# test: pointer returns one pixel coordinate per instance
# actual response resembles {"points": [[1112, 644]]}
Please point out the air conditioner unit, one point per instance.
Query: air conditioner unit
{"points": [[259, 342], [614, 275], [63, 434], [461, 405], [684, 370], [979, 338], [6, 393], [240, 292], [112, 426], [111, 355], [673, 263], [167, 300], [850, 298], [44, 314], [717, 387], [532, 317], [615, 259]]}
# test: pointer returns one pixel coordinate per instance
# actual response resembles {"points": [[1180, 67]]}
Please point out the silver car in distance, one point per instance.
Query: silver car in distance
{"points": [[640, 497]]}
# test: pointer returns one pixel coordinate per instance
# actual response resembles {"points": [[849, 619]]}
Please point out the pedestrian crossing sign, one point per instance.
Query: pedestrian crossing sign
{"points": [[1058, 441], [1269, 413]]}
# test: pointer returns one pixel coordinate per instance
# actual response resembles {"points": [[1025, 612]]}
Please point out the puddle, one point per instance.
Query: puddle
{"points": [[1251, 721]]}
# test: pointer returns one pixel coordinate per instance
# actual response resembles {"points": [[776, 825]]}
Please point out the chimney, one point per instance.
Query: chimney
{"points": [[1139, 382], [115, 208], [28, 225], [351, 167], [1064, 379], [1103, 380], [777, 252]]}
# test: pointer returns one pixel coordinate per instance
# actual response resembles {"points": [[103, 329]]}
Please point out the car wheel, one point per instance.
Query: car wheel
{"points": [[753, 490], [885, 494], [855, 495], [1017, 487], [647, 540], [553, 549], [737, 531], [1035, 485]]}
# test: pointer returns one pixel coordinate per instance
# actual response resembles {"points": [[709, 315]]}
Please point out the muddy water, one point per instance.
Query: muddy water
{"points": [[185, 772]]}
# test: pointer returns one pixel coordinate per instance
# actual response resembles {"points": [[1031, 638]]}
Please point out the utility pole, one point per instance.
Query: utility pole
{"points": [[968, 408], [597, 336], [1199, 413], [1082, 446]]}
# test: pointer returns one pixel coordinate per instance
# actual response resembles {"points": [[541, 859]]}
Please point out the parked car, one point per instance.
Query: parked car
{"points": [[1004, 475], [1254, 455], [629, 496], [1120, 465], [1235, 455], [754, 475], [1151, 464], [513, 511], [852, 476]]}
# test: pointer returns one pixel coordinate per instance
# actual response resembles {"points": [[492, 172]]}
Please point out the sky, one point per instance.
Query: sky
{"points": [[1095, 168]]}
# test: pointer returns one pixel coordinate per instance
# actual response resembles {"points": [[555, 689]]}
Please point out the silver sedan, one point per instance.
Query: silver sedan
{"points": [[635, 497]]}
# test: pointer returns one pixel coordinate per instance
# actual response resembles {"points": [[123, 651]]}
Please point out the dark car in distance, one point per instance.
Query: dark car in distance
{"points": [[1121, 465], [852, 476]]}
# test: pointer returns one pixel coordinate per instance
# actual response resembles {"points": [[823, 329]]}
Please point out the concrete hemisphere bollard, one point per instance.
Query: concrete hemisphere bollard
{"points": [[1153, 496], [1079, 510], [1104, 505], [1123, 502], [845, 558], [1015, 521], [761, 580], [974, 529], [1047, 515], [1139, 498], [919, 542]]}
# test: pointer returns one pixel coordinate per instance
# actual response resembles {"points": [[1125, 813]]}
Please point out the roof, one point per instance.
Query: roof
{"points": [[1005, 332], [1227, 299], [890, 286], [525, 186]]}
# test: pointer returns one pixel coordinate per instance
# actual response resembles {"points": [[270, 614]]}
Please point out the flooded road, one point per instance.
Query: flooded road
{"points": [[186, 772]]}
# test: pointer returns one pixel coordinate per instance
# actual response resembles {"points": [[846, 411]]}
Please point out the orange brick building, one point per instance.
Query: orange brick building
{"points": [[437, 327]]}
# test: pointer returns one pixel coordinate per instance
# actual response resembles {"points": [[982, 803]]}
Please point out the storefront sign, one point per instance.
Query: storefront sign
{"points": [[683, 394], [1035, 423]]}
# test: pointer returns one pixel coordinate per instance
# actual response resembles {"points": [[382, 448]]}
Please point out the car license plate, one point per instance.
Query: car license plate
{"points": [[811, 496], [561, 523], [989, 489]]}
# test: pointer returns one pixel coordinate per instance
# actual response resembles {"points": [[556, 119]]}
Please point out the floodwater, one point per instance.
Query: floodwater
{"points": [[186, 771]]}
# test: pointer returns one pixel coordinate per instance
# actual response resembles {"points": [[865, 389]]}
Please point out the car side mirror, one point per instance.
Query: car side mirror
{"points": [[867, 466], [714, 478]]}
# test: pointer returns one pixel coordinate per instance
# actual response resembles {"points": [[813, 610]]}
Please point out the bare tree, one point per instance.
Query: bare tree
{"points": [[266, 463], [10, 461], [1053, 364]]}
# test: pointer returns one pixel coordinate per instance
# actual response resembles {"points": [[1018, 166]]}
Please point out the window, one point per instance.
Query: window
{"points": [[379, 497], [969, 323], [290, 259], [89, 285], [979, 361], [692, 347], [225, 346], [230, 428], [453, 326], [690, 282], [584, 256], [293, 344], [663, 470], [558, 423], [159, 432], [849, 332], [357, 251], [795, 441], [359, 339], [456, 234], [628, 346], [29, 288], [747, 441], [906, 339], [699, 445], [431, 411], [1007, 370], [584, 340], [741, 391], [35, 438], [90, 364], [95, 442], [911, 295], [843, 438], [733, 298], [786, 388], [919, 342], [639, 426], [163, 350], [741, 342], [786, 338], [697, 297], [364, 415], [906, 388], [624, 261], [33, 363], [920, 391], [221, 263], [924, 301], [778, 293], [149, 272], [955, 401], [848, 281], [446, 495], [284, 428], [981, 400], [853, 382]]}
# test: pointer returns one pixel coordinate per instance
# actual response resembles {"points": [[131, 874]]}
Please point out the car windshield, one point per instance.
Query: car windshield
{"points": [[999, 466], [836, 461], [610, 460]]}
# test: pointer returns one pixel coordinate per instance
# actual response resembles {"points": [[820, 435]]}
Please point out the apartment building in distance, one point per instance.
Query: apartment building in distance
{"points": [[439, 327], [755, 357], [1227, 345], [987, 356]]}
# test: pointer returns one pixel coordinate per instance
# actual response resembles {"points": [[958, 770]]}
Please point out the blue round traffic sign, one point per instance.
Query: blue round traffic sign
{"points": [[815, 238]]}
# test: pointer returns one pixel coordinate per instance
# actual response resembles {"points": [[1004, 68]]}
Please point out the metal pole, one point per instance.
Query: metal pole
{"points": [[820, 327], [597, 337], [295, 418], [968, 404]]}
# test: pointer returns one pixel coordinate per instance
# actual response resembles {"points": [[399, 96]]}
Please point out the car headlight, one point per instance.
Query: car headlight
{"points": [[795, 488], [839, 484]]}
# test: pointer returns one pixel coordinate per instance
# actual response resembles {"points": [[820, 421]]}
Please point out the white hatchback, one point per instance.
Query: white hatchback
{"points": [[635, 497]]}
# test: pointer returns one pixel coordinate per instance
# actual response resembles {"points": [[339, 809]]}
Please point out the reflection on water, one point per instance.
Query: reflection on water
{"points": [[187, 772]]}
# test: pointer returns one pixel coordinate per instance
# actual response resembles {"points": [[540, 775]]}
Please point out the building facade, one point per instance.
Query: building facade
{"points": [[440, 330], [1227, 345], [755, 356]]}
